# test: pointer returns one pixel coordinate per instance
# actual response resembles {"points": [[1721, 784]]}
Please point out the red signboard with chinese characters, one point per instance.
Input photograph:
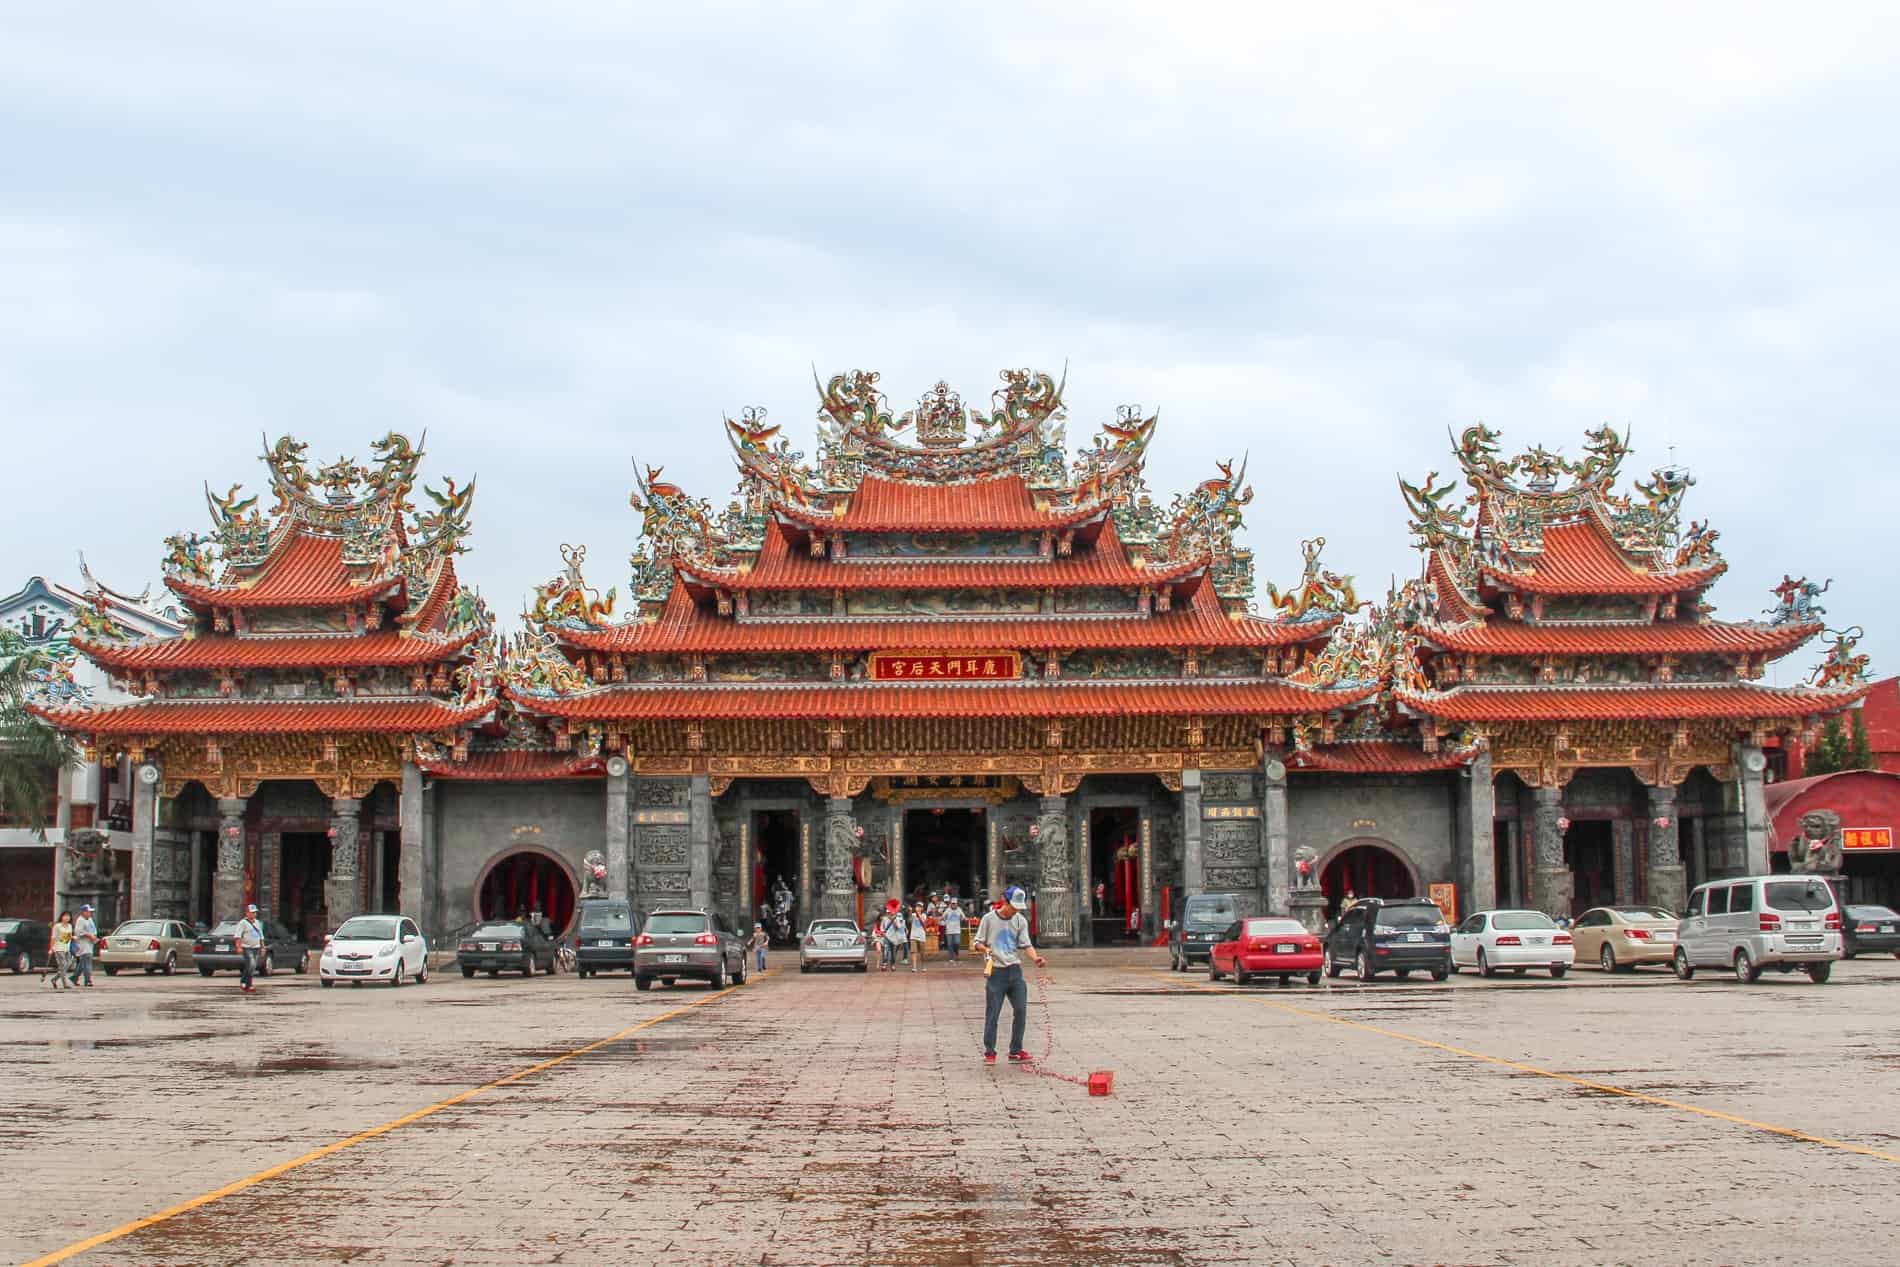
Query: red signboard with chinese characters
{"points": [[1866, 837], [945, 666]]}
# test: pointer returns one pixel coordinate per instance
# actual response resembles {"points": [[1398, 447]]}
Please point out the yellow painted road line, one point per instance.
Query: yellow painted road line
{"points": [[1643, 1097], [407, 1119]]}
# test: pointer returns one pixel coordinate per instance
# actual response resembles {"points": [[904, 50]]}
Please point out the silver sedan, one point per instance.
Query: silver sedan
{"points": [[832, 943]]}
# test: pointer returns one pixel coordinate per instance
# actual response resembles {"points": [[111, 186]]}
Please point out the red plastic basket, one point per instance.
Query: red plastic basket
{"points": [[1102, 1082]]}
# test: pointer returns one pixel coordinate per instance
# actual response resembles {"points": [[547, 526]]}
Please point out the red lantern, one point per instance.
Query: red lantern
{"points": [[1563, 824]]}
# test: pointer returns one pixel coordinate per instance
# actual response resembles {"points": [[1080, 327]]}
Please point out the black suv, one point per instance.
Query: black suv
{"points": [[603, 936], [23, 944], [1401, 934]]}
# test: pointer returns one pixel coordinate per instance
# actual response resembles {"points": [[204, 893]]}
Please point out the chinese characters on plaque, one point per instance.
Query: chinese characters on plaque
{"points": [[1867, 838], [967, 666]]}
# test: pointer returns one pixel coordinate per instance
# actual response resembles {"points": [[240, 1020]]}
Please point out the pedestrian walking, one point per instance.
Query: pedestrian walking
{"points": [[759, 943], [250, 933], [919, 932], [1003, 937], [890, 936], [953, 931], [59, 953], [85, 943]]}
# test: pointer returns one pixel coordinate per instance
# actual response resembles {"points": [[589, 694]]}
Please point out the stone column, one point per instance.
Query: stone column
{"points": [[340, 889], [1477, 836], [1749, 765], [1665, 878], [1193, 865], [413, 878], [1555, 885], [619, 876], [1279, 857], [145, 791], [840, 846], [699, 842], [227, 878], [1056, 924]]}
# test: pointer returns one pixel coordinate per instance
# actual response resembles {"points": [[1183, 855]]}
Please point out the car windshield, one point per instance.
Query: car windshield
{"points": [[1645, 915], [140, 928], [1275, 928], [497, 930], [1204, 916], [225, 928], [1871, 912], [1798, 895], [607, 919], [1521, 920], [367, 928], [9, 925], [832, 926], [676, 923], [1408, 917]]}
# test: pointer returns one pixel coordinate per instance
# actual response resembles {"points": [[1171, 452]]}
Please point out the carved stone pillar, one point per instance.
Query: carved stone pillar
{"points": [[341, 890], [619, 877], [145, 792], [1477, 835], [1749, 764], [415, 881], [1056, 924], [699, 851], [841, 846], [1193, 864], [227, 875], [1668, 885], [1555, 885], [1273, 820]]}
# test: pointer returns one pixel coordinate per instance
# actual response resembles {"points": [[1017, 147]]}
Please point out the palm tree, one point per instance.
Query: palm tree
{"points": [[30, 750]]}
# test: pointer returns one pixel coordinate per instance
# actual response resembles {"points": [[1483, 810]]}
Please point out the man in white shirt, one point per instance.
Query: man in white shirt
{"points": [[85, 942], [952, 920], [250, 936], [1003, 937]]}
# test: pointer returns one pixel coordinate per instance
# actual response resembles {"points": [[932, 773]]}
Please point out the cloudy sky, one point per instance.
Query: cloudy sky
{"points": [[560, 236]]}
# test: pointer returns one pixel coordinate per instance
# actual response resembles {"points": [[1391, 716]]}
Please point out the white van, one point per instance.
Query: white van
{"points": [[1782, 922]]}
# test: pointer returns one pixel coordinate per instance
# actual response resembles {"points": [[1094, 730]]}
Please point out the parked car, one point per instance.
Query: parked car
{"points": [[1492, 941], [156, 945], [23, 944], [832, 943], [374, 948], [603, 936], [1403, 935], [699, 945], [504, 945], [1204, 918], [1268, 948], [1869, 930], [1782, 922], [1621, 937], [219, 949]]}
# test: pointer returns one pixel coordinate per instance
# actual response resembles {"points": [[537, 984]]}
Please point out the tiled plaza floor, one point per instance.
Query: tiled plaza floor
{"points": [[847, 1119]]}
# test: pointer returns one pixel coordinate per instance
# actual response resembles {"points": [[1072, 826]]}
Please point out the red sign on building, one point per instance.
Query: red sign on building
{"points": [[1867, 838], [945, 666]]}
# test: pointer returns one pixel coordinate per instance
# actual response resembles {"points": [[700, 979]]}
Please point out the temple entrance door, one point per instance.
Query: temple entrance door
{"points": [[527, 883], [1590, 853], [303, 866], [943, 849], [776, 879], [389, 889], [1114, 879], [1365, 871]]}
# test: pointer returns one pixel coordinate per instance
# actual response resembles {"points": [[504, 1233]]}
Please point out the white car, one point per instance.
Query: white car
{"points": [[1519, 940], [387, 948]]}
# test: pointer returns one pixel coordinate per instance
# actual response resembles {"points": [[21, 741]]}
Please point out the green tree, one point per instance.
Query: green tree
{"points": [[1860, 752], [30, 750], [1839, 749]]}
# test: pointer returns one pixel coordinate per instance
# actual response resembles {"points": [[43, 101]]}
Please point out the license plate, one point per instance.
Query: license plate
{"points": [[672, 958], [1286, 948], [224, 945], [356, 972], [488, 945], [1668, 936], [1540, 941], [605, 942], [1415, 936]]}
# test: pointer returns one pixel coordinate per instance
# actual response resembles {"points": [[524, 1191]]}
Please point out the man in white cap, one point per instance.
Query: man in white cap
{"points": [[1003, 937], [85, 942], [250, 948]]}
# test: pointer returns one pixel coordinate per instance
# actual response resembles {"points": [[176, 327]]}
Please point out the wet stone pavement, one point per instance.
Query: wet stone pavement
{"points": [[842, 1119]]}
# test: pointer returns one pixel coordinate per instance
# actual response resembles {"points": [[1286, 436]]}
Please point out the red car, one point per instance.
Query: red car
{"points": [[1264, 947]]}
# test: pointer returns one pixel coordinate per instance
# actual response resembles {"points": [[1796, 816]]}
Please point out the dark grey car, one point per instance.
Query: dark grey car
{"points": [[697, 945]]}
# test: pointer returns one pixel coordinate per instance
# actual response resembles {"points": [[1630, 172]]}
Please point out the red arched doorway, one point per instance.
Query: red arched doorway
{"points": [[527, 881], [1365, 869]]}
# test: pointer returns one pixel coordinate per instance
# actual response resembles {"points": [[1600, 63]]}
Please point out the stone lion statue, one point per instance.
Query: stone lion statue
{"points": [[594, 874], [1817, 850], [1305, 867]]}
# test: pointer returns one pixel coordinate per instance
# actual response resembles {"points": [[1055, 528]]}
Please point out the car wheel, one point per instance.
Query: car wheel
{"points": [[1848, 952], [1606, 958], [527, 965], [422, 972], [325, 982], [171, 964], [804, 967], [642, 983], [738, 975], [1745, 970], [1213, 974], [1403, 974], [1484, 965], [204, 971], [1819, 972], [1439, 974], [303, 963], [395, 978], [1365, 965], [1557, 970], [468, 972], [263, 969], [1685, 971], [1241, 977], [1333, 966], [22, 962], [719, 975], [1312, 978]]}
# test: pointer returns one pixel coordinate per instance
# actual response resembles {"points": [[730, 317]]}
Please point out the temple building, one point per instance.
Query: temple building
{"points": [[947, 653]]}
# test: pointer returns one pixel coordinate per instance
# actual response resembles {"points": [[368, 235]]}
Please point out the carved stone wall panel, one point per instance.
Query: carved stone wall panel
{"points": [[660, 793], [1227, 787], [1231, 842], [1220, 879], [660, 847]]}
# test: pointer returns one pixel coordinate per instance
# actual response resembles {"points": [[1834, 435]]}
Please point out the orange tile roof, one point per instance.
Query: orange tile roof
{"points": [[1001, 504], [1580, 558], [301, 571], [434, 609], [248, 651], [1376, 756], [1508, 637], [824, 700], [515, 766], [1738, 700], [236, 717], [685, 627]]}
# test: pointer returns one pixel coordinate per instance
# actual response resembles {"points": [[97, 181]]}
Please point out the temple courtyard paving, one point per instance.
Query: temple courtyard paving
{"points": [[847, 1119]]}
